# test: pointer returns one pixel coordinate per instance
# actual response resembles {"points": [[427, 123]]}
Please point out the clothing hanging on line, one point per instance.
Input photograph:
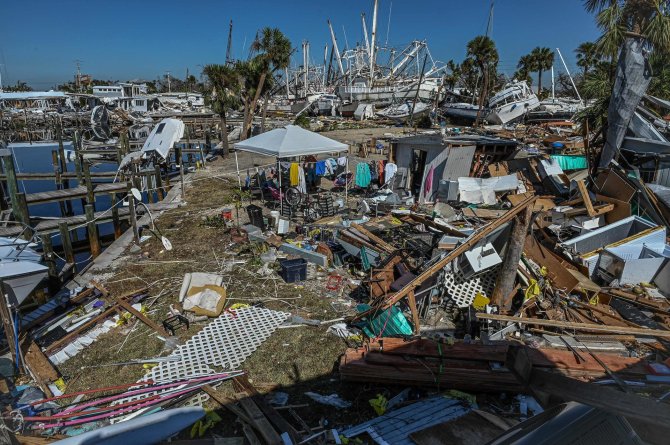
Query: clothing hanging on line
{"points": [[390, 170], [363, 175], [294, 174], [302, 185]]}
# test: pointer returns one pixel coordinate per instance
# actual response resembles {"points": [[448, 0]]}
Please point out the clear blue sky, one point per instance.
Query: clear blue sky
{"points": [[122, 39]]}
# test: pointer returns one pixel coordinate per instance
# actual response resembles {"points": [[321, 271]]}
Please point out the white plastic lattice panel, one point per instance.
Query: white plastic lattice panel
{"points": [[462, 291], [222, 345]]}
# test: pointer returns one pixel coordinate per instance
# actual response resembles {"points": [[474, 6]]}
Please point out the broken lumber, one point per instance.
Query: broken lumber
{"points": [[577, 326]]}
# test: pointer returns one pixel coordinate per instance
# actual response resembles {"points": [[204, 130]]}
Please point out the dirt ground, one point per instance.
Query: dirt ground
{"points": [[292, 360]]}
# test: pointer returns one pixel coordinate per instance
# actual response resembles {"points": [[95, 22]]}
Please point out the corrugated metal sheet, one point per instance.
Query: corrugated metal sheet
{"points": [[396, 426]]}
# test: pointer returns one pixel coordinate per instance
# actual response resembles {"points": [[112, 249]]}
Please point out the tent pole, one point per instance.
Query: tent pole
{"points": [[281, 195], [237, 165], [346, 182]]}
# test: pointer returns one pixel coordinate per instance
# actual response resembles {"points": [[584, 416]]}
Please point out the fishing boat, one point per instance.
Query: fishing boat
{"points": [[361, 91], [404, 111], [512, 103], [462, 112], [327, 104]]}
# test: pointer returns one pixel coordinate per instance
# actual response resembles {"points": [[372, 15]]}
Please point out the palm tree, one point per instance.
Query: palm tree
{"points": [[224, 81], [632, 29], [482, 50], [544, 59], [527, 64], [273, 51], [587, 56]]}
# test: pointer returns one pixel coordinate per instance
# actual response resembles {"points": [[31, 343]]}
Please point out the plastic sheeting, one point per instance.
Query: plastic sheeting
{"points": [[478, 190], [570, 162]]}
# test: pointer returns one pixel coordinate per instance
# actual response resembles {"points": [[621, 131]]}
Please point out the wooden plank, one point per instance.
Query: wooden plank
{"points": [[482, 213], [261, 423], [577, 326], [143, 318], [432, 224], [467, 245], [587, 199], [38, 363], [378, 241]]}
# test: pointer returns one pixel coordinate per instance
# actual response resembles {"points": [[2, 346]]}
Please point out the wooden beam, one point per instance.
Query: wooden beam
{"points": [[585, 196], [467, 245], [577, 326], [143, 318], [379, 242], [442, 228], [644, 409]]}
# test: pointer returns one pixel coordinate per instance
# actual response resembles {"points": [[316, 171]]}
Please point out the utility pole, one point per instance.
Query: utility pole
{"points": [[1, 65], [230, 42], [169, 84], [78, 77]]}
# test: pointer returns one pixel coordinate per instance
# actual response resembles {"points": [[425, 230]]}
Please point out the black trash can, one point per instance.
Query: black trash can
{"points": [[256, 216]]}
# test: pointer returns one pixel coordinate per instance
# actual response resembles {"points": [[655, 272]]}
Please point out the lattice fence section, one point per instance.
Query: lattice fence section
{"points": [[462, 291], [222, 345]]}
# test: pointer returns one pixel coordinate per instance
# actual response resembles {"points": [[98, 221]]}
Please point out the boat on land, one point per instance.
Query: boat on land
{"points": [[402, 112], [512, 103]]}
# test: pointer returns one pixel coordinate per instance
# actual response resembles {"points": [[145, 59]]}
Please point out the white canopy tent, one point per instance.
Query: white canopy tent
{"points": [[290, 141]]}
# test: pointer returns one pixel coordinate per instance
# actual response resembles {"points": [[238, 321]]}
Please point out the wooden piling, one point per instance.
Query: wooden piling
{"points": [[90, 196], [76, 145], [179, 158], [21, 213], [150, 187], [50, 260], [93, 239], [159, 183], [115, 216], [133, 215], [66, 243], [12, 183]]}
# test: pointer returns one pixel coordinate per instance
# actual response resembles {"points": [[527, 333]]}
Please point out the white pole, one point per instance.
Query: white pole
{"points": [[568, 71], [346, 181], [372, 42], [337, 50], [281, 196], [237, 165], [552, 83]]}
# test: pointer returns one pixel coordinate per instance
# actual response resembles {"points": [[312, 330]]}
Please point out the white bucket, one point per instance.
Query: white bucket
{"points": [[275, 217]]}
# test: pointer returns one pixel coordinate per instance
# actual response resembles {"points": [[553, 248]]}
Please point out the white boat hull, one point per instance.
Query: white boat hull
{"points": [[512, 111], [20, 278]]}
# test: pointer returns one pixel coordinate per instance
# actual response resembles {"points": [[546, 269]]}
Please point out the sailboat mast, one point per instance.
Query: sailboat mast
{"points": [[365, 34], [230, 42], [489, 25], [553, 89], [568, 71], [372, 43], [337, 51]]}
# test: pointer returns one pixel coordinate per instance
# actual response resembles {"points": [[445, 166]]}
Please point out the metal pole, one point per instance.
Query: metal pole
{"points": [[570, 76], [237, 165]]}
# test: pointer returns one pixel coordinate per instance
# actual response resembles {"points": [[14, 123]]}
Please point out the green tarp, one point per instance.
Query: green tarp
{"points": [[570, 162]]}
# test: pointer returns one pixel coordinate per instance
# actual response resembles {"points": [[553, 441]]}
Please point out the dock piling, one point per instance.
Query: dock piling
{"points": [[66, 243], [93, 239]]}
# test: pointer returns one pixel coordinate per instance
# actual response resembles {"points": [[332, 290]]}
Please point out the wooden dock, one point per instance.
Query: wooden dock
{"points": [[51, 226], [75, 193]]}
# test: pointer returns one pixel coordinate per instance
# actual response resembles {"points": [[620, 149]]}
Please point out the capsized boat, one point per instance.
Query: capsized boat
{"points": [[512, 103], [462, 112], [20, 278], [20, 269], [402, 112]]}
